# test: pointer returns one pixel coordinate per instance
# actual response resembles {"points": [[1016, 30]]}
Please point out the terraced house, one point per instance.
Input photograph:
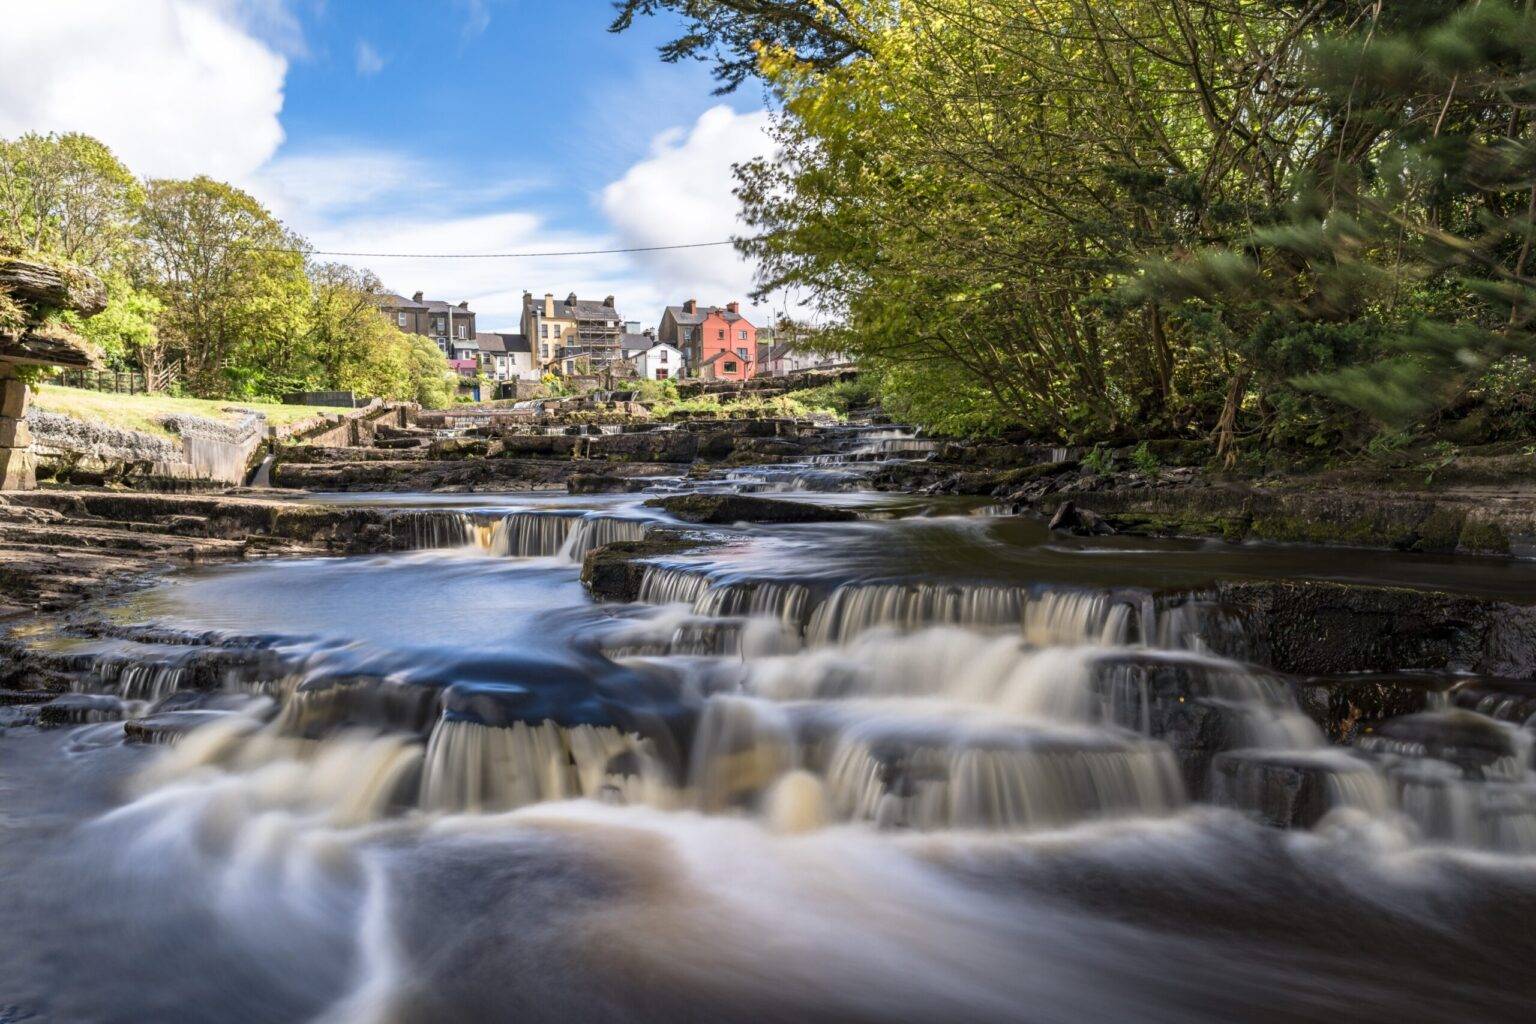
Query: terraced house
{"points": [[717, 342], [451, 327], [574, 335]]}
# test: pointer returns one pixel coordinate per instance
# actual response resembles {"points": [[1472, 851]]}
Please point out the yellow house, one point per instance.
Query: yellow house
{"points": [[550, 328]]}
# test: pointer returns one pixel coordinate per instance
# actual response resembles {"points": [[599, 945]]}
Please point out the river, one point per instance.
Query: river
{"points": [[924, 766]]}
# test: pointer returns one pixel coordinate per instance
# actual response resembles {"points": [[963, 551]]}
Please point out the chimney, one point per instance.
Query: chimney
{"points": [[733, 307], [464, 305], [608, 301], [570, 300], [549, 305], [691, 306], [416, 297]]}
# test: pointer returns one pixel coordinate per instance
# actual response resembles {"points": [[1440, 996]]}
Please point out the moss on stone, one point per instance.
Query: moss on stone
{"points": [[1440, 530], [1483, 537]]}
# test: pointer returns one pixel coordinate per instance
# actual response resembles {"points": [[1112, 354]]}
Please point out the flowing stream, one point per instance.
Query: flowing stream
{"points": [[929, 765]]}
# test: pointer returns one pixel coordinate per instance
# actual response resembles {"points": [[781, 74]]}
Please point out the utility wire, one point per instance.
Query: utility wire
{"points": [[493, 255]]}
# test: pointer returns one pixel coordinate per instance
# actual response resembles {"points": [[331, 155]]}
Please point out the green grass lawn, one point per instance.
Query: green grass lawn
{"points": [[143, 412]]}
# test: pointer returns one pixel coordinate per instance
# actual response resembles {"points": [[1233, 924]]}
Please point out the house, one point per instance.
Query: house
{"points": [[506, 356], [433, 318], [652, 359], [574, 336], [789, 357], [717, 342]]}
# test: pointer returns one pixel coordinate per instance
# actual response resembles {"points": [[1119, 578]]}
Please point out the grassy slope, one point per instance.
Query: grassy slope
{"points": [[142, 412]]}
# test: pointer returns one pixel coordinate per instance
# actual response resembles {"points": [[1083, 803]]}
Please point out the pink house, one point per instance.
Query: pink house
{"points": [[727, 345]]}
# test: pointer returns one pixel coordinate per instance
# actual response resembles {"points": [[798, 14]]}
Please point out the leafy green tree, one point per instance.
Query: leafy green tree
{"points": [[67, 196], [232, 282]]}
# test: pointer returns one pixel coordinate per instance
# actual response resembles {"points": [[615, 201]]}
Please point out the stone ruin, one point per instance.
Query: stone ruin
{"points": [[33, 292]]}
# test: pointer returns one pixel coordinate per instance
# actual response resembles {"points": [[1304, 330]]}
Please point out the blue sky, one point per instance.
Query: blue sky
{"points": [[437, 126]]}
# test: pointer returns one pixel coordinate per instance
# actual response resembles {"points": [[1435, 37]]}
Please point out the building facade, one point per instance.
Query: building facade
{"points": [[505, 356], [441, 321], [717, 342], [574, 335], [652, 359]]}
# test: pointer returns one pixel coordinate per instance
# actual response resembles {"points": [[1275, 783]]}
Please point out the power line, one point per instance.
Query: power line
{"points": [[495, 255]]}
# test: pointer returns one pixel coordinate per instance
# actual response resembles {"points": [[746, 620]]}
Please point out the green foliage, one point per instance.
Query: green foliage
{"points": [[1101, 460], [1144, 460], [199, 274], [652, 392], [842, 396], [1275, 222]]}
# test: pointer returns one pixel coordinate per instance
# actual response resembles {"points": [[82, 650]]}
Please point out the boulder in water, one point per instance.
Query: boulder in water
{"points": [[1289, 788], [75, 708], [1071, 519], [741, 508]]}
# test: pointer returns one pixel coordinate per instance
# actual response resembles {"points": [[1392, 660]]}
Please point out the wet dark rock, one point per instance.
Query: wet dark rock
{"points": [[75, 708], [1283, 789], [1317, 628], [604, 483], [1068, 518], [459, 448], [721, 509], [170, 726], [1478, 745], [1343, 705], [654, 446], [614, 572], [535, 446]]}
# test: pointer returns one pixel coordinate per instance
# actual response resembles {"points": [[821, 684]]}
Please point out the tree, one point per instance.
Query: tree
{"points": [[67, 196], [232, 282]]}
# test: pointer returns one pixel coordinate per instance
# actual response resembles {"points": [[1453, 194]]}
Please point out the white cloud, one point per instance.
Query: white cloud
{"points": [[682, 193], [175, 87], [369, 62]]}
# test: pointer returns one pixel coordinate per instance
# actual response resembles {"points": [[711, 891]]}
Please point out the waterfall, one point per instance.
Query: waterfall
{"points": [[854, 608], [530, 534], [596, 531], [672, 586], [425, 530], [916, 766], [568, 536], [787, 602], [477, 767]]}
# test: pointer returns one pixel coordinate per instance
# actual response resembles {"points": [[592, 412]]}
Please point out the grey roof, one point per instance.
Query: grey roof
{"points": [[390, 300], [581, 309], [464, 343], [780, 350], [489, 342], [685, 319], [636, 342], [512, 343]]}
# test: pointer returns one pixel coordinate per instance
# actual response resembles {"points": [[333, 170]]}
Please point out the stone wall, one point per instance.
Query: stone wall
{"points": [[18, 466]]}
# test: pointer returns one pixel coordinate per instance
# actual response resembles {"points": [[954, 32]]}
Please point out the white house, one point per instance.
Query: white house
{"points": [[652, 359]]}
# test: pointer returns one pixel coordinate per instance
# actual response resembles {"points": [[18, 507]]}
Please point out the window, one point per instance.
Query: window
{"points": [[721, 333], [661, 355], [661, 374], [543, 330], [743, 353], [741, 335], [400, 319], [462, 329], [729, 367]]}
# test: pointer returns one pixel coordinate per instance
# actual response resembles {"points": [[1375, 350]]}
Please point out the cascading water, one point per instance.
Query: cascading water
{"points": [[970, 795]]}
